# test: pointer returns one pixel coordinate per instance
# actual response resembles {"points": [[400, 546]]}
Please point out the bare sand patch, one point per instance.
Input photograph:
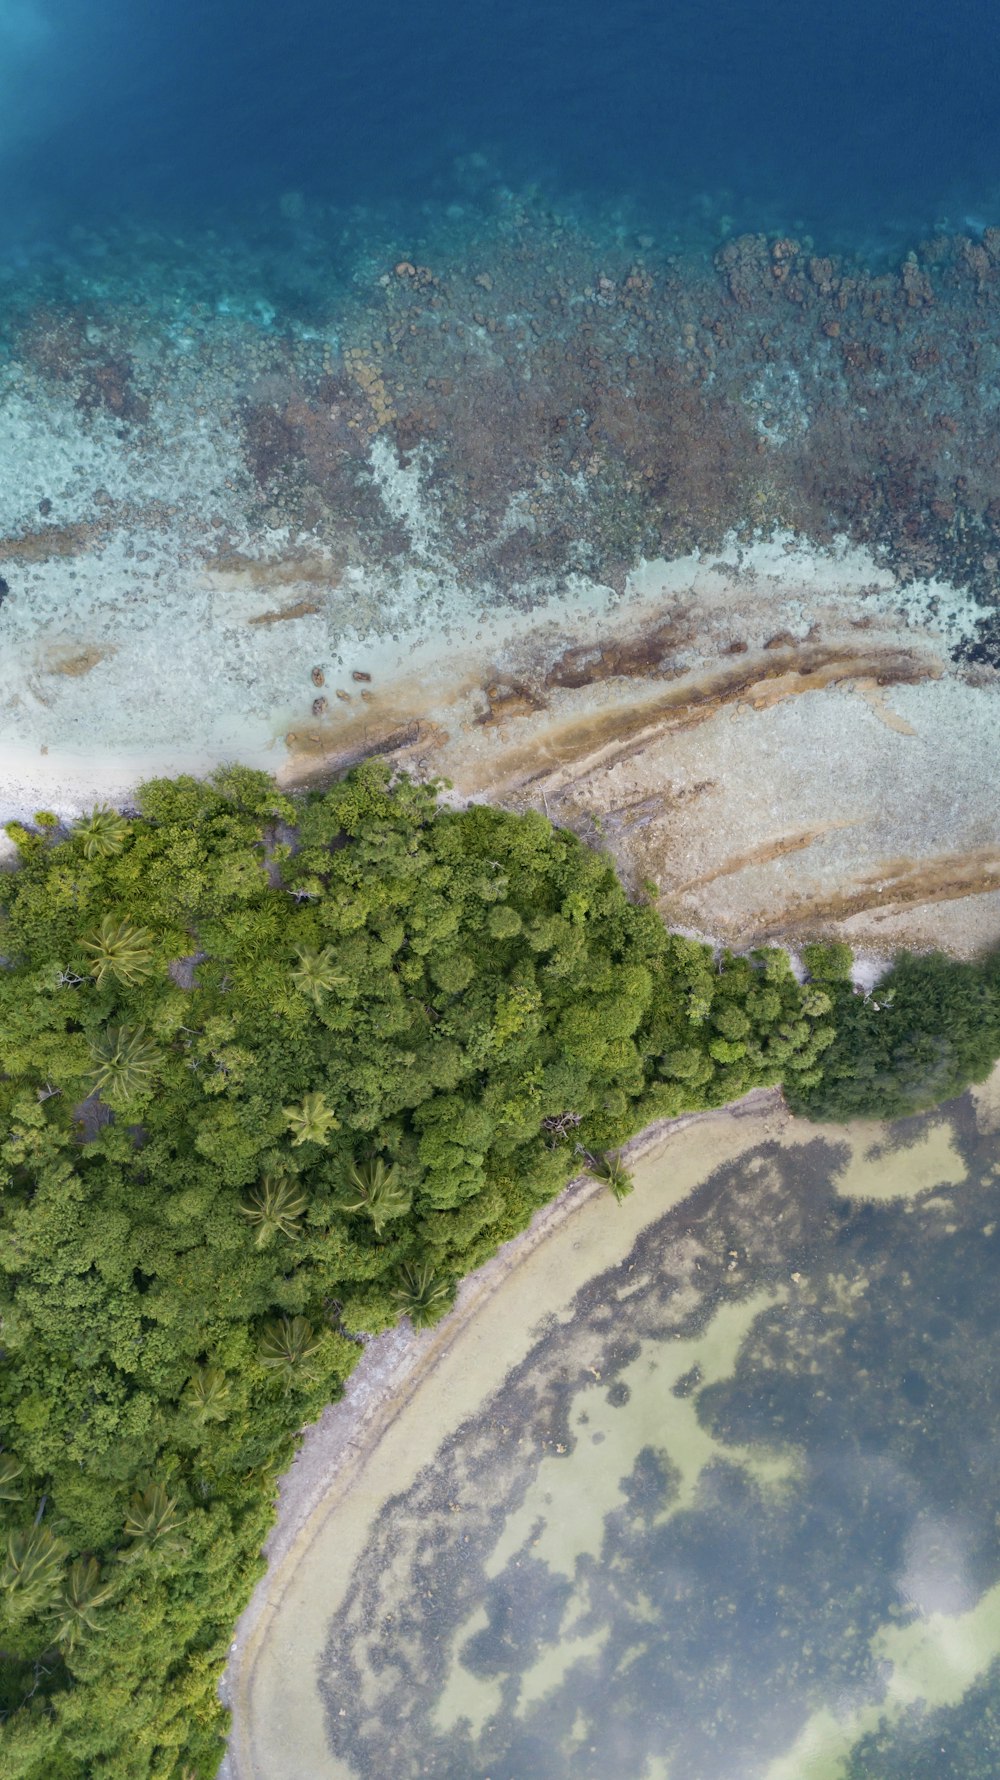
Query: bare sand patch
{"points": [[929, 1663]]}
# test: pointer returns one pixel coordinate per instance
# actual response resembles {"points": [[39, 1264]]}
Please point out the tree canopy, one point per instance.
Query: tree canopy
{"points": [[273, 1073]]}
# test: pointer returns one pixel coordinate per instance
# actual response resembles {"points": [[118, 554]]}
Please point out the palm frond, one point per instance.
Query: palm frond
{"points": [[312, 1120], [317, 974], [375, 1188], [32, 1569], [612, 1171], [207, 1394], [76, 1610], [103, 833], [422, 1294], [152, 1523], [287, 1346], [11, 1469], [275, 1205], [126, 1063], [119, 950]]}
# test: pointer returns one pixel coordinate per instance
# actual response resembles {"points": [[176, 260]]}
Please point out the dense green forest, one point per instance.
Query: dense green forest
{"points": [[275, 1072]]}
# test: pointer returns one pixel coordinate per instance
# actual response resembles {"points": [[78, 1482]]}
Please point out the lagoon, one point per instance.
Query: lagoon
{"points": [[698, 1487]]}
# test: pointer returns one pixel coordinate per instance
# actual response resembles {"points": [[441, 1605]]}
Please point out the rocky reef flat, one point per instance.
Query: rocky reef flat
{"points": [[698, 551]]}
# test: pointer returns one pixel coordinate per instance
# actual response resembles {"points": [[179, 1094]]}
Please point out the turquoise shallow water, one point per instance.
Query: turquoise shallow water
{"points": [[736, 1517]]}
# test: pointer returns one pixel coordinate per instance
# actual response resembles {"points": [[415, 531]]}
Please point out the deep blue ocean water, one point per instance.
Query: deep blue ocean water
{"points": [[848, 120]]}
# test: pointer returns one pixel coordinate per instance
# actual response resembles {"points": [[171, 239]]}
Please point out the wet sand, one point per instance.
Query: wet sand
{"points": [[411, 1391]]}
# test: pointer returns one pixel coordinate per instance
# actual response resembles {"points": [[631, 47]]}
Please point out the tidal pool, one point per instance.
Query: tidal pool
{"points": [[729, 1514]]}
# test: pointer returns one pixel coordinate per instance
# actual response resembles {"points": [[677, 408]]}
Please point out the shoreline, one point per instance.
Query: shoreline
{"points": [[414, 1389], [619, 538], [337, 1449], [672, 723]]}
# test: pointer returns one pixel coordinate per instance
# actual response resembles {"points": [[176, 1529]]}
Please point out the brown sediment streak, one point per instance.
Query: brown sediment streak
{"points": [[301, 609], [765, 853], [78, 662], [579, 746], [320, 754], [508, 698], [874, 697], [644, 808], [901, 884], [52, 540], [230, 569], [627, 657]]}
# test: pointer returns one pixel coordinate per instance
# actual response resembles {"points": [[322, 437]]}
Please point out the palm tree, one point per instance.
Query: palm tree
{"points": [[316, 974], [612, 1171], [376, 1190], [208, 1394], [76, 1609], [10, 1470], [152, 1523], [422, 1294], [276, 1206], [126, 1061], [32, 1569], [120, 950], [312, 1120], [287, 1347], [104, 833]]}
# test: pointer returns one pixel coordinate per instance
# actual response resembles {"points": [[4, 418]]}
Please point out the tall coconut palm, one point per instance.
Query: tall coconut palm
{"points": [[376, 1189], [207, 1394], [75, 1612], [152, 1524], [422, 1294], [103, 833], [126, 1063], [312, 1120], [316, 974], [612, 1171], [32, 1569], [119, 950], [11, 1471], [276, 1205], [287, 1348]]}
